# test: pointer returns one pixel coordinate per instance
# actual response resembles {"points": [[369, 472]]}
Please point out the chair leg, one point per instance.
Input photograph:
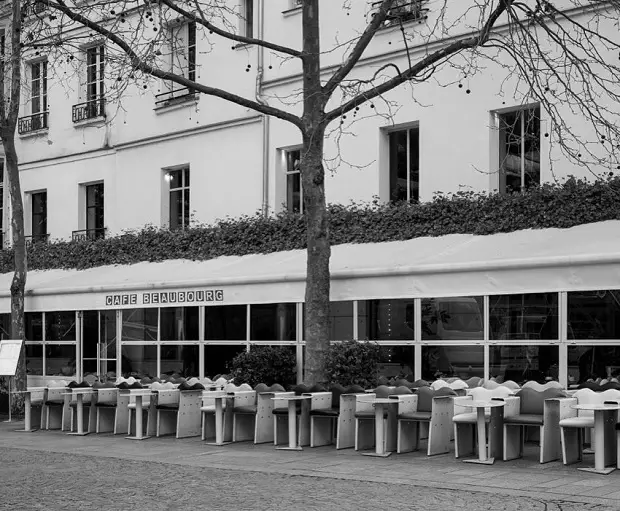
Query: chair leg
{"points": [[464, 440], [513, 441], [407, 436], [572, 441]]}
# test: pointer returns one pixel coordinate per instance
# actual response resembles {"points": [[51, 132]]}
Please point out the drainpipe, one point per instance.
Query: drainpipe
{"points": [[260, 55]]}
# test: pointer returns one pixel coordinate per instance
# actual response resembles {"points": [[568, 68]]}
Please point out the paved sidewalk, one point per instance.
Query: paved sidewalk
{"points": [[524, 477]]}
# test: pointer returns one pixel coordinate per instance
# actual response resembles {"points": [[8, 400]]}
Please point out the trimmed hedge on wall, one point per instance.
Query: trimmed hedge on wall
{"points": [[563, 205]]}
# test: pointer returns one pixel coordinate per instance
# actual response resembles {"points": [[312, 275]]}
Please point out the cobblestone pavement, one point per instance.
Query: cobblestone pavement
{"points": [[44, 480]]}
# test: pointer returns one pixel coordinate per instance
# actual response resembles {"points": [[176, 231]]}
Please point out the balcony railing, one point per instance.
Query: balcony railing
{"points": [[32, 122], [34, 7], [174, 96], [91, 109], [36, 238], [89, 234], [403, 11]]}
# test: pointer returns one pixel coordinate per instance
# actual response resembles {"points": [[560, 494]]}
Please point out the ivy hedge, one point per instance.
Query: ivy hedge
{"points": [[562, 205]]}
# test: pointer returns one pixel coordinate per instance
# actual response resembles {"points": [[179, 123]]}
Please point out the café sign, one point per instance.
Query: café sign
{"points": [[165, 297]]}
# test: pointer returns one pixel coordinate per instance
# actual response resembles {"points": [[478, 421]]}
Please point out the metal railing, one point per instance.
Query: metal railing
{"points": [[36, 238], [32, 122], [403, 11], [89, 110], [89, 234], [174, 96]]}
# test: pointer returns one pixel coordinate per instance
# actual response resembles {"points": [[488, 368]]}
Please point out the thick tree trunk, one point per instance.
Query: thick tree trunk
{"points": [[319, 251], [313, 186], [18, 285]]}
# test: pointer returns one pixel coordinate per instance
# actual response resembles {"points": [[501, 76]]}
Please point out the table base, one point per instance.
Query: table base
{"points": [[488, 461], [287, 448], [218, 443], [588, 450], [76, 433], [137, 437], [604, 471], [376, 454], [32, 430]]}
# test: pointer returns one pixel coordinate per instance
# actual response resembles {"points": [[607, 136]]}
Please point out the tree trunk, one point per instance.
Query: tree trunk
{"points": [[18, 285]]}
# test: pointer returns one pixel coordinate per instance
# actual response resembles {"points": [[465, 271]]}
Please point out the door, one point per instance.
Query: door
{"points": [[99, 344]]}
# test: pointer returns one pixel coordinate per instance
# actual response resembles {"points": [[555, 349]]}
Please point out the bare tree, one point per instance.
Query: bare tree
{"points": [[10, 90], [554, 53]]}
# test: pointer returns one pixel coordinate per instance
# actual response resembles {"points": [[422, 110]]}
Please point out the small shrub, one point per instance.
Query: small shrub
{"points": [[264, 364], [354, 363]]}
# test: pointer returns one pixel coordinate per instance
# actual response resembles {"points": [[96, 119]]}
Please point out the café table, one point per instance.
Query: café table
{"points": [[79, 394], [293, 441], [223, 430], [28, 405], [605, 419], [484, 457], [139, 394], [381, 404]]}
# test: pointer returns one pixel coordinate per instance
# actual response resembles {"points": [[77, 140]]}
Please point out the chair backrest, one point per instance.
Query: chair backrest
{"points": [[426, 395], [490, 385], [419, 383], [439, 384], [474, 381], [383, 391], [542, 386], [482, 394], [512, 385], [532, 402]]}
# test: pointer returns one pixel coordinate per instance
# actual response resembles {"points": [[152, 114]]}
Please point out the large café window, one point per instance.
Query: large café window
{"points": [[51, 343], [179, 341]]}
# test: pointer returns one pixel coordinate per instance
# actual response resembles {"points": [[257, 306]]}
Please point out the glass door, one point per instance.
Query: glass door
{"points": [[99, 345]]}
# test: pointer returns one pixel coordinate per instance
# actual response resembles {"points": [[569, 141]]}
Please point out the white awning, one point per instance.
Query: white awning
{"points": [[586, 257]]}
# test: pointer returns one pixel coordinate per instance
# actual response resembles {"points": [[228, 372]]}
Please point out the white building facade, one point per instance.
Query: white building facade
{"points": [[95, 166]]}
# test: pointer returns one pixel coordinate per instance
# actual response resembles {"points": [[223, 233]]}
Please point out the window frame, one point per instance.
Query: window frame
{"points": [[185, 196], [409, 151], [293, 173], [38, 87]]}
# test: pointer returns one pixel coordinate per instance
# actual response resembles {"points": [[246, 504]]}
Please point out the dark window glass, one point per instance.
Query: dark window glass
{"points": [[139, 325], [94, 206], [218, 358], [60, 360], [60, 326], [519, 136], [33, 326], [294, 196], [524, 363], [39, 215], [5, 326], [179, 198], [225, 323], [527, 316], [386, 319], [34, 359], [179, 323], [99, 333], [139, 361], [340, 321], [273, 322], [249, 18], [452, 361], [397, 362], [594, 315], [592, 362], [457, 318], [179, 360], [405, 165]]}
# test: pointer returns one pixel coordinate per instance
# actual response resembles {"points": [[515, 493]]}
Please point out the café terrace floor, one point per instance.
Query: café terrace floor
{"points": [[522, 477]]}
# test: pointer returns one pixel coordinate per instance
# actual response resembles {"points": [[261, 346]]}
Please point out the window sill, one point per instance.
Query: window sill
{"points": [[95, 121], [172, 104], [292, 12], [34, 133]]}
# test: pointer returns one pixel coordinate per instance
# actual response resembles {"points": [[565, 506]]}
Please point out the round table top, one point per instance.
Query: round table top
{"points": [[597, 406], [482, 404]]}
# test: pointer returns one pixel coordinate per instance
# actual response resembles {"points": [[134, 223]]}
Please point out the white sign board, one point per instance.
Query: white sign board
{"points": [[9, 356]]}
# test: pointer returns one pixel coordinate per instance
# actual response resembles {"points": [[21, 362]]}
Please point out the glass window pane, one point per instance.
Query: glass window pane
{"points": [[60, 360], [594, 315], [5, 326], [217, 358], [108, 333], [414, 164], [176, 209], [33, 326], [397, 362], [454, 318], [398, 165], [340, 321], [386, 319], [60, 326], [139, 325], [139, 361], [34, 359], [592, 362], [179, 360], [176, 178], [273, 322], [179, 323], [524, 363], [225, 323], [524, 316], [452, 361], [90, 334], [293, 192]]}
